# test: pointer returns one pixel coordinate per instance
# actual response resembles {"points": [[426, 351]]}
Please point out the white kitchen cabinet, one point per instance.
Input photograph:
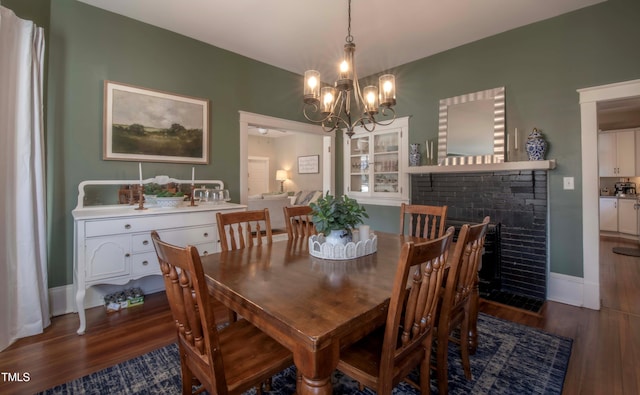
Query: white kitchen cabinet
{"points": [[609, 214], [617, 153], [375, 163], [112, 243], [628, 216]]}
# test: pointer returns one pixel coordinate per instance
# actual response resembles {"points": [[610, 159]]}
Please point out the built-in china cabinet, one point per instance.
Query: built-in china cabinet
{"points": [[375, 164]]}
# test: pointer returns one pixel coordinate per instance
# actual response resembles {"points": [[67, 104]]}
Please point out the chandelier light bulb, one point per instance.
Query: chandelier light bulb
{"points": [[370, 94], [371, 98], [344, 69], [311, 86], [312, 82], [328, 98], [387, 87]]}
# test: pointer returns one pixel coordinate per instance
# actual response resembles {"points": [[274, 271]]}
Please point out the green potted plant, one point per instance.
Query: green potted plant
{"points": [[336, 217]]}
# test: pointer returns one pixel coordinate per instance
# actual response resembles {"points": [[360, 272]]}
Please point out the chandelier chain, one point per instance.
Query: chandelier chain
{"points": [[349, 37]]}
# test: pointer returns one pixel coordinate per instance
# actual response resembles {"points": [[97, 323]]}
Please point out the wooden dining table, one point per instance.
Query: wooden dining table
{"points": [[312, 306]]}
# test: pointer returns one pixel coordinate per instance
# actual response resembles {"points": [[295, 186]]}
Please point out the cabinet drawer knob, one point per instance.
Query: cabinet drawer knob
{"points": [[206, 234], [146, 242], [127, 255], [127, 226], [145, 263], [205, 253]]}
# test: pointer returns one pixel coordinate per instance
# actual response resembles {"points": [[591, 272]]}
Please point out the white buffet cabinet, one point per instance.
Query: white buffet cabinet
{"points": [[112, 243]]}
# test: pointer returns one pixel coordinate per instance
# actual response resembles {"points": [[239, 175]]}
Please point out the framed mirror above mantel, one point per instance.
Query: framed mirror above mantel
{"points": [[471, 128], [472, 137]]}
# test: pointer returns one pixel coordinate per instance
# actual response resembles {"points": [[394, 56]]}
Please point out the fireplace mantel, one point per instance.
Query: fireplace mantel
{"points": [[479, 168]]}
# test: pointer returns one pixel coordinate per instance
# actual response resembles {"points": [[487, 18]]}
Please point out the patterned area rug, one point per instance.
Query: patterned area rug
{"points": [[511, 359]]}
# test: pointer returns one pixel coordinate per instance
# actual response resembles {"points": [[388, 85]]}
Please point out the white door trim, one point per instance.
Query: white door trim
{"points": [[589, 97]]}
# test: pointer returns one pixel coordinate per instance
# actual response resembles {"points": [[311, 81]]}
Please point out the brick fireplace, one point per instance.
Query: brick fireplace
{"points": [[516, 201]]}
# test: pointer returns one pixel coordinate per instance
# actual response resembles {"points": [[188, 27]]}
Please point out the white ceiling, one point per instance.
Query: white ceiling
{"points": [[619, 114], [297, 35]]}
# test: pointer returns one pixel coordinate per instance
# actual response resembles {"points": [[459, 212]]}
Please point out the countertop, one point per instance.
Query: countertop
{"points": [[632, 197]]}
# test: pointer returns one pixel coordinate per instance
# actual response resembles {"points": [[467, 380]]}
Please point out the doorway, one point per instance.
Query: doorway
{"points": [[589, 98], [250, 119], [257, 175]]}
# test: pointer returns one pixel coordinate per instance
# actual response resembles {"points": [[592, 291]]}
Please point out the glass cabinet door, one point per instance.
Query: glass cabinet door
{"points": [[359, 162], [386, 160], [375, 164]]}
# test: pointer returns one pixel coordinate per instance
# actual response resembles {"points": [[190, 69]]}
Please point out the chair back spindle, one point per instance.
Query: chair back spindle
{"points": [[299, 221], [244, 229], [424, 221]]}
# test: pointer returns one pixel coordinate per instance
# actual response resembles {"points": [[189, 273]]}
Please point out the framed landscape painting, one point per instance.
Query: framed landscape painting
{"points": [[148, 125]]}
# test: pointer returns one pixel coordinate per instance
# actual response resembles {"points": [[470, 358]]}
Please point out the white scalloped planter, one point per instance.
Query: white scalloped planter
{"points": [[169, 201], [319, 248]]}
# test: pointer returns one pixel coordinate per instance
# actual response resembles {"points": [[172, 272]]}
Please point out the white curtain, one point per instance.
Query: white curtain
{"points": [[24, 302]]}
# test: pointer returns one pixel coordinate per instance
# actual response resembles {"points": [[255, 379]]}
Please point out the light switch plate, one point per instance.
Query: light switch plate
{"points": [[568, 183]]}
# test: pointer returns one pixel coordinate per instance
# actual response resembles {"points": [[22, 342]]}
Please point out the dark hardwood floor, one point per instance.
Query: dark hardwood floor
{"points": [[605, 358]]}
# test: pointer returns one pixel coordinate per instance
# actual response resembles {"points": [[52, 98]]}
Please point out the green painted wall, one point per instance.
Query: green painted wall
{"points": [[541, 66], [88, 46]]}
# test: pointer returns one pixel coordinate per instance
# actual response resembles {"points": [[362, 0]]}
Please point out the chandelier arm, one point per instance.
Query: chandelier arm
{"points": [[364, 125], [327, 129], [384, 112], [315, 110]]}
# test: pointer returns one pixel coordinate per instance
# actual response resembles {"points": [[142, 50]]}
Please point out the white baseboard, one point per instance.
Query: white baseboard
{"points": [[62, 300], [568, 290]]}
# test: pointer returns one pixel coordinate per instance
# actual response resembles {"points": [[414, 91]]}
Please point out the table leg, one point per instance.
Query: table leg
{"points": [[315, 369]]}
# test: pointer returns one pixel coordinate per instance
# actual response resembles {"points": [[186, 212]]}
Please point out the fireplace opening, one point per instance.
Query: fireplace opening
{"points": [[489, 274]]}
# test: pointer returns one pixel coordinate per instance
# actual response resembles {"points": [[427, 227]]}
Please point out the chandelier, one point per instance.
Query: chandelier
{"points": [[333, 103]]}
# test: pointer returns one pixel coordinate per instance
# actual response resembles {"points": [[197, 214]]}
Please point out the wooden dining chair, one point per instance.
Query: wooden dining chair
{"points": [[227, 361], [460, 292], [425, 221], [386, 356], [244, 229], [298, 221]]}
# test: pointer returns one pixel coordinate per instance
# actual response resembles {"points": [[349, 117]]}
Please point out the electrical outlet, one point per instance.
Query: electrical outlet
{"points": [[568, 183]]}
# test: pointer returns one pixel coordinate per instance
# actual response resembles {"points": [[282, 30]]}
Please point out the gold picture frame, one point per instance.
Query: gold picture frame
{"points": [[148, 125]]}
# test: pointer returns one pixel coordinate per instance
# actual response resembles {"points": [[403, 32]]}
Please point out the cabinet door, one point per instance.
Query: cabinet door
{"points": [[607, 154], [107, 257], [358, 178], [609, 214], [626, 153], [375, 164], [627, 216], [386, 163], [194, 236]]}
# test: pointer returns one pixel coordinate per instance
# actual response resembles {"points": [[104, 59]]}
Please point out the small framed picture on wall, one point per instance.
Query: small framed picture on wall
{"points": [[309, 164]]}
